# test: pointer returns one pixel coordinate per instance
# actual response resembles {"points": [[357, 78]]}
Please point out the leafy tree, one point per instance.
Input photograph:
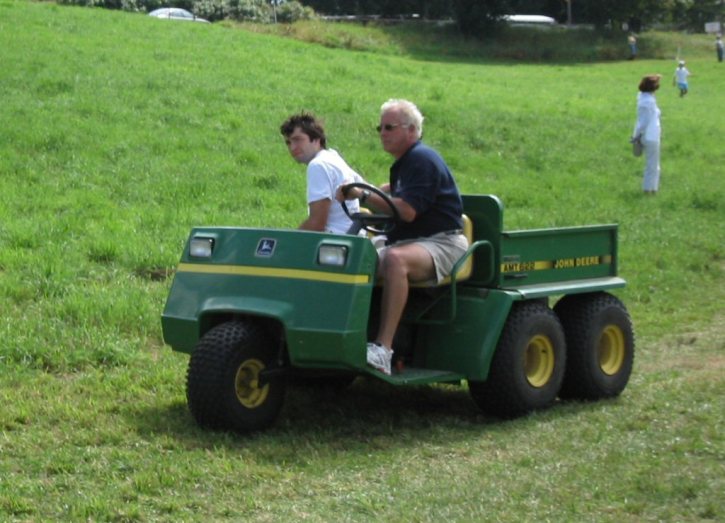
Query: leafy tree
{"points": [[693, 14], [479, 18], [425, 8], [255, 10], [614, 13], [289, 12]]}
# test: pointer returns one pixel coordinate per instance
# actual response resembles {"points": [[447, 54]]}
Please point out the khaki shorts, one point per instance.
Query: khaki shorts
{"points": [[445, 248]]}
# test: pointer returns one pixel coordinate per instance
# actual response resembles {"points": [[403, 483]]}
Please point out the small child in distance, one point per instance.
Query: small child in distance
{"points": [[680, 78]]}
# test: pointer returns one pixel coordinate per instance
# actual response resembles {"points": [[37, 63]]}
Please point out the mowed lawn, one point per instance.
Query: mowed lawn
{"points": [[119, 133]]}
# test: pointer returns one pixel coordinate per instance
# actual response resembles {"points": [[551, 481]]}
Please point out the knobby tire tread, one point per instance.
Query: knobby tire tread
{"points": [[506, 393], [583, 317]]}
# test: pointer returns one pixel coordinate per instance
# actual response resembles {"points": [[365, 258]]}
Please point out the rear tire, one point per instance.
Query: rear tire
{"points": [[225, 388], [600, 342], [528, 366]]}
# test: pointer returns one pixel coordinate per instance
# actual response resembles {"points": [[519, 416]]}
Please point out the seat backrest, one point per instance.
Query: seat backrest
{"points": [[486, 212], [467, 268]]}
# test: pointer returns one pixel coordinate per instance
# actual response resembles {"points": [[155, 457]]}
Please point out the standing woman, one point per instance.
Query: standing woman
{"points": [[647, 131]]}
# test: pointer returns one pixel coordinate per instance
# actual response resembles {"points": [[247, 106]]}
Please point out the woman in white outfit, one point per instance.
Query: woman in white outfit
{"points": [[647, 131]]}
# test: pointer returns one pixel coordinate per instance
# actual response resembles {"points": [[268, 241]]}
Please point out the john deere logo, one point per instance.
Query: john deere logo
{"points": [[265, 247]]}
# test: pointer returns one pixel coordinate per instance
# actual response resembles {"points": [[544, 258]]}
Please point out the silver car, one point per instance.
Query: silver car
{"points": [[174, 13]]}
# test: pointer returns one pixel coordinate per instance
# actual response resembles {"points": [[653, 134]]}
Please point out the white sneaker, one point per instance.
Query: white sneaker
{"points": [[379, 357]]}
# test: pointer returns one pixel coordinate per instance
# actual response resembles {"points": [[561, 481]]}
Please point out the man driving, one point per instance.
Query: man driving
{"points": [[428, 239]]}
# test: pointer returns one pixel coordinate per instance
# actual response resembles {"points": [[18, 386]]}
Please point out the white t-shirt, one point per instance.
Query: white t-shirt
{"points": [[681, 73], [325, 173]]}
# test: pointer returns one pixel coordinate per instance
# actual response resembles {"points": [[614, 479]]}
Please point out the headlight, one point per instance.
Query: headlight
{"points": [[201, 247], [335, 255]]}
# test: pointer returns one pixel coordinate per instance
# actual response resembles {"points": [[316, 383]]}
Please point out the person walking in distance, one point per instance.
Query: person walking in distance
{"points": [[648, 131], [632, 43]]}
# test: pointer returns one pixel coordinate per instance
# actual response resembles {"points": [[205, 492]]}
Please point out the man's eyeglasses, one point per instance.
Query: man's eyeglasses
{"points": [[388, 126]]}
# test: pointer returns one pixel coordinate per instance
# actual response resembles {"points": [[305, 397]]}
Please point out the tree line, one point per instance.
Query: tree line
{"points": [[481, 14], [478, 18]]}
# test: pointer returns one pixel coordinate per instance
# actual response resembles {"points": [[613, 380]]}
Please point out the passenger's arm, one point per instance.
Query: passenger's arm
{"points": [[317, 220]]}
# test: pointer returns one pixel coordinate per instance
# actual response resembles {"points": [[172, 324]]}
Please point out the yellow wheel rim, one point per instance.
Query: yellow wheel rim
{"points": [[611, 350], [246, 384], [539, 361]]}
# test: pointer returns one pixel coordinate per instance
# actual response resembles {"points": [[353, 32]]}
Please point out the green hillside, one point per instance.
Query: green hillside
{"points": [[121, 132]]}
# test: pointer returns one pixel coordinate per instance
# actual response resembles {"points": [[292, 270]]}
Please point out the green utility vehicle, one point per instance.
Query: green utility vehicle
{"points": [[259, 308]]}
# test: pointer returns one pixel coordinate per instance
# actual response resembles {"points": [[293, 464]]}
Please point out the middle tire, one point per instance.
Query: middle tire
{"points": [[528, 367]]}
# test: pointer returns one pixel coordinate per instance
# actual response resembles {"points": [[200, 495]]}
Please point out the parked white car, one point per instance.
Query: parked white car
{"points": [[530, 20], [174, 13]]}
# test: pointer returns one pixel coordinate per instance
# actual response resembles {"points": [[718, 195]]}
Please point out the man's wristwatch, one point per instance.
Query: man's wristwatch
{"points": [[364, 197]]}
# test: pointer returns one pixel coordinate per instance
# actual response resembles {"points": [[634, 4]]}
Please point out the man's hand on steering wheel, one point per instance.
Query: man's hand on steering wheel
{"points": [[376, 223]]}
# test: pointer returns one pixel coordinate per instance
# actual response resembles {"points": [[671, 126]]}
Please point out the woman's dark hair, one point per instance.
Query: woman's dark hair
{"points": [[308, 124], [650, 83]]}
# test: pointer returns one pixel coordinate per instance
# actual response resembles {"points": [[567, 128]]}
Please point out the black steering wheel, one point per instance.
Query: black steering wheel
{"points": [[376, 223]]}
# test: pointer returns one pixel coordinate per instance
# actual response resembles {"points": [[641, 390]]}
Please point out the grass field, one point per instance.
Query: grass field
{"points": [[119, 133]]}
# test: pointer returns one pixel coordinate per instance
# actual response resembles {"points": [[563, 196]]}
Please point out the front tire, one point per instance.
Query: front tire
{"points": [[225, 386], [600, 341], [528, 366]]}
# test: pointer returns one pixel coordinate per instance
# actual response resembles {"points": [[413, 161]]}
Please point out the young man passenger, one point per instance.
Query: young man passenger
{"points": [[428, 240], [326, 171]]}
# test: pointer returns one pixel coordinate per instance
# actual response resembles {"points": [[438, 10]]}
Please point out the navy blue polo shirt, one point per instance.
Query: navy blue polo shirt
{"points": [[423, 180]]}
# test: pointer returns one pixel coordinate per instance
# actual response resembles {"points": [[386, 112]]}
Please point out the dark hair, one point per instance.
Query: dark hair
{"points": [[308, 124], [650, 83]]}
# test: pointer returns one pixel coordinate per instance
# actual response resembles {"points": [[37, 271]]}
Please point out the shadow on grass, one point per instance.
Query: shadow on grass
{"points": [[369, 416], [433, 41]]}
